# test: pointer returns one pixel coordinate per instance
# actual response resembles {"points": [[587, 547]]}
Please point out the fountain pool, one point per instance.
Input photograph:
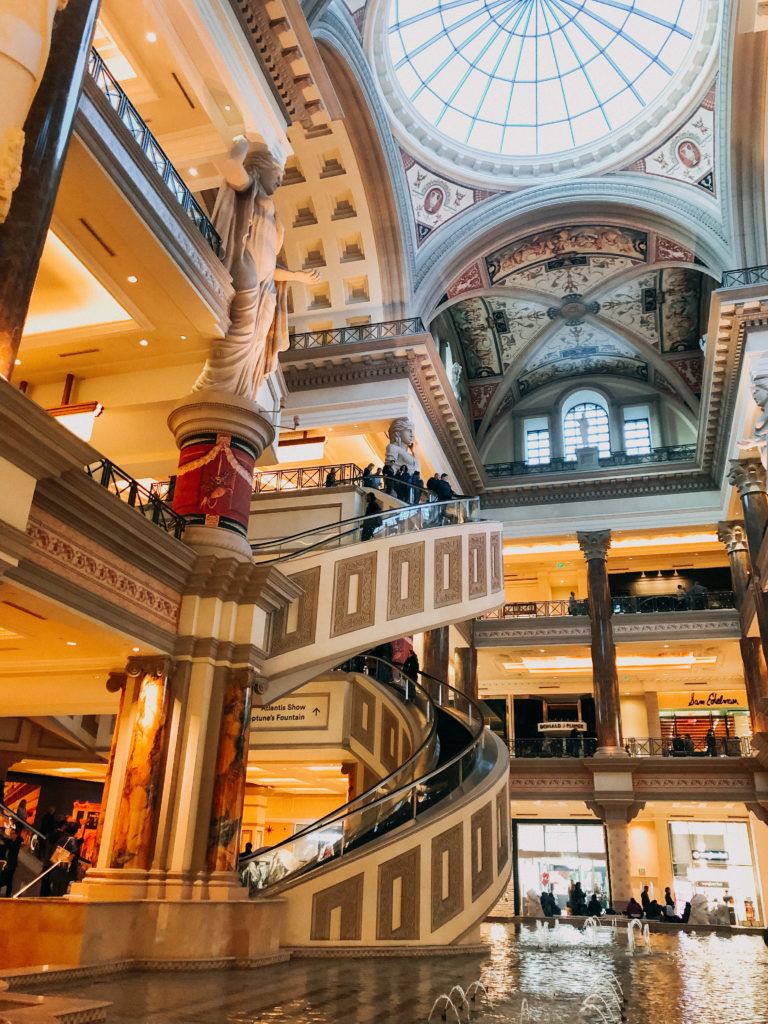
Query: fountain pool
{"points": [[682, 979]]}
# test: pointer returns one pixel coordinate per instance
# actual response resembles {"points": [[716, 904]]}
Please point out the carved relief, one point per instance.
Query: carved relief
{"points": [[497, 574], [447, 856], [477, 567], [595, 543], [306, 616], [363, 725], [399, 884], [481, 842], [447, 571], [502, 828], [353, 610], [389, 735], [412, 557], [346, 895], [733, 536], [747, 476]]}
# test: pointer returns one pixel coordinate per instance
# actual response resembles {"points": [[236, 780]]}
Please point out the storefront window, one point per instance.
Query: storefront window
{"points": [[554, 855], [714, 859]]}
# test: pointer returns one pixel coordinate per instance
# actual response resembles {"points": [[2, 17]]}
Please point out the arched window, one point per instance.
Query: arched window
{"points": [[597, 431]]}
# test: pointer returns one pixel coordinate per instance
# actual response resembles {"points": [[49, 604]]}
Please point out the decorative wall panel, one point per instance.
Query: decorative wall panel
{"points": [[477, 568], [346, 895], [390, 728], [354, 594], [306, 618], [447, 857], [481, 841], [363, 725], [502, 829], [447, 571], [397, 911], [406, 561], [497, 573]]}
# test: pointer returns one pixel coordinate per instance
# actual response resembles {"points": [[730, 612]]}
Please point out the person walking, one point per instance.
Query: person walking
{"points": [[372, 520], [711, 742], [402, 480], [388, 476], [411, 666], [368, 475], [645, 899]]}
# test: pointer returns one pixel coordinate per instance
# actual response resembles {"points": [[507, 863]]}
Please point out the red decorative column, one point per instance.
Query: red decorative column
{"points": [[607, 709], [733, 536], [220, 436]]}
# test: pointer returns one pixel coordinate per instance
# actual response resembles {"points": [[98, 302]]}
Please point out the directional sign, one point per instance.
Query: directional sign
{"points": [[296, 712]]}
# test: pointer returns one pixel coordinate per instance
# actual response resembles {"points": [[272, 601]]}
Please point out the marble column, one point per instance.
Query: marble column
{"points": [[617, 840], [230, 773], [116, 683], [466, 670], [749, 479], [436, 653], [733, 536], [47, 130], [133, 835], [595, 546]]}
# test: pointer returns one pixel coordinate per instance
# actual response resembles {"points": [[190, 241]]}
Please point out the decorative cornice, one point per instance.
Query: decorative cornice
{"points": [[714, 625], [747, 476], [594, 544], [229, 579], [157, 666], [596, 488], [733, 535]]}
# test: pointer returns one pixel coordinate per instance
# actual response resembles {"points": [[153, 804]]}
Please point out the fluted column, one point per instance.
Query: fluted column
{"points": [[47, 130], [436, 653], [132, 840], [231, 767], [595, 546], [749, 479], [733, 535]]}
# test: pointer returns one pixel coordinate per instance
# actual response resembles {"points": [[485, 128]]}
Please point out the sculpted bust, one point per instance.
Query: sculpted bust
{"points": [[251, 238], [399, 451], [758, 376]]}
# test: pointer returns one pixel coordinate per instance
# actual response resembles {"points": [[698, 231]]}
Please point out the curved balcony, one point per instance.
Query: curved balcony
{"points": [[616, 460]]}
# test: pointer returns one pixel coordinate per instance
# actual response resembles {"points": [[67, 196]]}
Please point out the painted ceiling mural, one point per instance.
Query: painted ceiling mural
{"points": [[435, 200], [583, 301]]}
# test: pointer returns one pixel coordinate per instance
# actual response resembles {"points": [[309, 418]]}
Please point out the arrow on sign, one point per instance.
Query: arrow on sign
{"points": [[316, 711]]}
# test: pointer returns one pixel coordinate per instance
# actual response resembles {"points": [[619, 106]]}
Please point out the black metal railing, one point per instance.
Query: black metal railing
{"points": [[744, 276], [691, 601], [151, 148], [586, 746], [671, 453], [119, 483], [359, 334], [270, 480]]}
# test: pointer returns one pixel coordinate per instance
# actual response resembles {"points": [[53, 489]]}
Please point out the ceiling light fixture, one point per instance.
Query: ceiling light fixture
{"points": [[143, 342], [135, 650], [183, 337], [227, 107], [151, 37], [575, 664], [71, 643], [132, 279], [193, 172], [17, 362]]}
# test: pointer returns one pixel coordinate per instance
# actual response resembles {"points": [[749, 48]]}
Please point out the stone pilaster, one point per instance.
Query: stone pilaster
{"points": [[617, 841], [734, 538], [595, 547]]}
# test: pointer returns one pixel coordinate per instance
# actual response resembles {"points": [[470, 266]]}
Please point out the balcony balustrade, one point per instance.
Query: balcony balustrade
{"points": [[658, 604], [586, 746], [277, 480], [744, 277], [147, 502], [360, 334], [151, 148], [672, 453]]}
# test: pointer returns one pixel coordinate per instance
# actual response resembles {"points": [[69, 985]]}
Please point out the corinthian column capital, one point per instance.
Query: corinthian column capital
{"points": [[594, 544], [247, 678], [156, 665], [747, 476], [733, 536]]}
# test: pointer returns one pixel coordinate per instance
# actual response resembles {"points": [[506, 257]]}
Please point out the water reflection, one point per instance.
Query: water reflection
{"points": [[684, 979]]}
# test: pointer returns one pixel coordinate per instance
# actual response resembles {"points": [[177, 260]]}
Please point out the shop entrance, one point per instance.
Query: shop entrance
{"points": [[553, 855]]}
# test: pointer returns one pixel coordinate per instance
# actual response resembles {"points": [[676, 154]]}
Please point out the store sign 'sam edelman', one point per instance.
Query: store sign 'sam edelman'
{"points": [[701, 700]]}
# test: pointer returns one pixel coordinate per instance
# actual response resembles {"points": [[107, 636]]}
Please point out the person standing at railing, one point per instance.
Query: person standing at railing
{"points": [[388, 476], [698, 596], [10, 844], [330, 479], [681, 596], [402, 482], [417, 486], [368, 475]]}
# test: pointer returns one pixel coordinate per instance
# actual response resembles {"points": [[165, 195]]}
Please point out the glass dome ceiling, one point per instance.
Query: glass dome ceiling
{"points": [[531, 78]]}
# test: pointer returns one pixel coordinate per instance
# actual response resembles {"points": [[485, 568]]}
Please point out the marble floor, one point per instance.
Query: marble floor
{"points": [[682, 979]]}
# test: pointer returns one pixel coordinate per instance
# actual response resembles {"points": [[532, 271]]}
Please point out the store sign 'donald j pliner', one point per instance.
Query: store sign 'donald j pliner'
{"points": [[702, 700]]}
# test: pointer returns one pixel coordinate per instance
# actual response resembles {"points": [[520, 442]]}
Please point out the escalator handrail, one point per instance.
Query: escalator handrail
{"points": [[353, 523], [340, 816], [6, 811], [364, 799]]}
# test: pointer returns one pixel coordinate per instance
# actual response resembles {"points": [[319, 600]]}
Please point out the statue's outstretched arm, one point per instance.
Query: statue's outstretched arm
{"points": [[233, 168], [304, 276]]}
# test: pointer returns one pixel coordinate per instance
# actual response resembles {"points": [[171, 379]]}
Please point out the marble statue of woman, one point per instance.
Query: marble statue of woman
{"points": [[399, 451], [583, 425], [251, 238], [758, 377]]}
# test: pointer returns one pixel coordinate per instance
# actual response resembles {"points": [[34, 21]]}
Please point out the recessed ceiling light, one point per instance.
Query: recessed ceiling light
{"points": [[193, 172], [135, 650], [17, 362], [132, 279], [183, 337], [143, 342], [151, 37], [227, 107], [71, 643]]}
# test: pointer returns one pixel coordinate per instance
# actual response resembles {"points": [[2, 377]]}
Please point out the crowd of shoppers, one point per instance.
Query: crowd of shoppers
{"points": [[58, 848]]}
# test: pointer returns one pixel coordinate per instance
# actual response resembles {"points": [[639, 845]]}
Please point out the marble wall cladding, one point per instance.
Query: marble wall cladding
{"points": [[477, 567], [229, 785], [447, 857], [448, 575], [390, 728], [397, 906], [370, 778], [481, 841], [354, 594], [363, 725], [290, 632], [502, 828], [497, 564], [347, 899], [405, 591]]}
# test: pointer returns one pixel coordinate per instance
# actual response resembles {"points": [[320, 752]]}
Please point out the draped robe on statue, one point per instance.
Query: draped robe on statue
{"points": [[251, 238]]}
